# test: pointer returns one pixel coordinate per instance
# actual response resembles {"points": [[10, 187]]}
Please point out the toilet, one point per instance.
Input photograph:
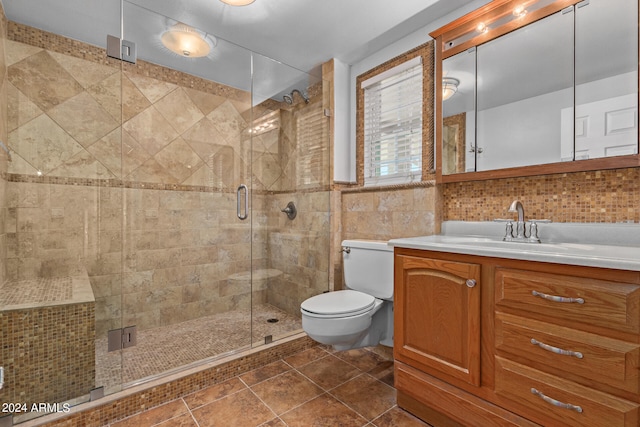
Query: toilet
{"points": [[362, 314]]}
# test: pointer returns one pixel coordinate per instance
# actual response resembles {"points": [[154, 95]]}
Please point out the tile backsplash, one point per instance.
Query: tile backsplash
{"points": [[595, 196]]}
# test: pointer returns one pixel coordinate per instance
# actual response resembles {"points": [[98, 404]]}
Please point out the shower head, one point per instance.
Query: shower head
{"points": [[306, 99], [289, 98]]}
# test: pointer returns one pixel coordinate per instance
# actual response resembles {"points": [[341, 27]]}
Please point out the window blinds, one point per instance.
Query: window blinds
{"points": [[393, 125], [311, 134]]}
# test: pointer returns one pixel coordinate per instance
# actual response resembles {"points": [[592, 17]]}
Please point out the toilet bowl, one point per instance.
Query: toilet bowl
{"points": [[362, 314]]}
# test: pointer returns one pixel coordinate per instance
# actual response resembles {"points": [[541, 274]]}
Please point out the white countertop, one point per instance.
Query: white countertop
{"points": [[595, 245]]}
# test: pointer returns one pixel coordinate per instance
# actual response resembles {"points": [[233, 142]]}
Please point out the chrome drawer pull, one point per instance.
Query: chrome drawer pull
{"points": [[556, 402], [556, 350], [556, 298]]}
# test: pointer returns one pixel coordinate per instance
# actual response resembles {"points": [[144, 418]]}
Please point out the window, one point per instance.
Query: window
{"points": [[311, 134], [393, 125]]}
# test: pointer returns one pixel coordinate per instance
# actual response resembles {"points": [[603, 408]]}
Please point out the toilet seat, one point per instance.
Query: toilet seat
{"points": [[337, 304]]}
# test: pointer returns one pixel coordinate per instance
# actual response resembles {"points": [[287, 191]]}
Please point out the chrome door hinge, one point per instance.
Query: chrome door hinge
{"points": [[121, 49], [122, 338]]}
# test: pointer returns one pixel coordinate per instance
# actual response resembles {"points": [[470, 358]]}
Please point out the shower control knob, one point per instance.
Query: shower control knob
{"points": [[470, 283]]}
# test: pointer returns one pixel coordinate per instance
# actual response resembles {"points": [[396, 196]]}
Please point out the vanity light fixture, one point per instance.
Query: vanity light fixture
{"points": [[187, 41], [237, 2], [482, 28], [519, 11], [449, 87]]}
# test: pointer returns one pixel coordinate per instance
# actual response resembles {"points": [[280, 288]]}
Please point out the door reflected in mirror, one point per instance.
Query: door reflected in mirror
{"points": [[458, 112], [606, 49]]}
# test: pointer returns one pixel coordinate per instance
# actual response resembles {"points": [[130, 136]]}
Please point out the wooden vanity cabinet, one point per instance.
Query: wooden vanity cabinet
{"points": [[529, 343], [439, 317]]}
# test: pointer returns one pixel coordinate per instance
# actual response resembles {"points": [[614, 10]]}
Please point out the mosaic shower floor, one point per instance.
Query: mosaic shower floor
{"points": [[169, 347]]}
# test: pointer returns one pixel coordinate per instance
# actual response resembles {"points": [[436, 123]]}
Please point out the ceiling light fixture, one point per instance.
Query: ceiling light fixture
{"points": [[449, 87], [237, 2], [187, 41]]}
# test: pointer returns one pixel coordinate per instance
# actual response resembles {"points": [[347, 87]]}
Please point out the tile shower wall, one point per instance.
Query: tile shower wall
{"points": [[181, 153], [183, 142], [299, 248], [3, 155]]}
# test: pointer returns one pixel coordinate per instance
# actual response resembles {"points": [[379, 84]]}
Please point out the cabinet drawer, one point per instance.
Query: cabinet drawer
{"points": [[581, 300], [554, 401], [559, 350]]}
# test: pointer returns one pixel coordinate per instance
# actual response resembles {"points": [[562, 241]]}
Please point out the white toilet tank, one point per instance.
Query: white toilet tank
{"points": [[368, 267]]}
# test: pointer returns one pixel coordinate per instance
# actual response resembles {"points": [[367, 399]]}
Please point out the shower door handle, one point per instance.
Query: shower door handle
{"points": [[244, 215]]}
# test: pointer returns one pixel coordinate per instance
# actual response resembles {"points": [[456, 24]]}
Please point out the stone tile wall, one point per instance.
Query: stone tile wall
{"points": [[3, 155], [385, 213], [149, 204], [299, 248], [594, 196]]}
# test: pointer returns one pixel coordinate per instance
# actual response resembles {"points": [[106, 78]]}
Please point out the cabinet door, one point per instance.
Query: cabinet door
{"points": [[437, 317]]}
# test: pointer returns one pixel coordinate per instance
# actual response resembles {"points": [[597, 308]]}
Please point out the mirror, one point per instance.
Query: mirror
{"points": [[458, 112], [524, 81], [559, 86], [606, 49]]}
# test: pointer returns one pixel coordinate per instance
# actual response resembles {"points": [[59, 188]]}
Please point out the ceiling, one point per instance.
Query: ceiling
{"points": [[300, 33]]}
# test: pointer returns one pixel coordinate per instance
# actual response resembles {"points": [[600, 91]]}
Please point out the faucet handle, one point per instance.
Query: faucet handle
{"points": [[533, 229], [508, 232]]}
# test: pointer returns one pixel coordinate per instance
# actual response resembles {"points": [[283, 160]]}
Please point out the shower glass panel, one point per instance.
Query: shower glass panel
{"points": [[122, 206], [61, 268], [290, 171], [187, 253]]}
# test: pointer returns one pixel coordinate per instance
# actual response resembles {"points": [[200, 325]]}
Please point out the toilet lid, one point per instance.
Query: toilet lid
{"points": [[338, 303]]}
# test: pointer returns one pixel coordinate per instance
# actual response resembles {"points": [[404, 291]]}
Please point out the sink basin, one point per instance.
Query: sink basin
{"points": [[485, 242], [601, 253]]}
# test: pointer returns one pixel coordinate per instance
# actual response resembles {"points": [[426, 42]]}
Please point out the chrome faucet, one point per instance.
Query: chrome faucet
{"points": [[516, 206]]}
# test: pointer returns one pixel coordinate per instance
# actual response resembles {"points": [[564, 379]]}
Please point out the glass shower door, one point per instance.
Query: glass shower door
{"points": [[186, 276], [290, 196]]}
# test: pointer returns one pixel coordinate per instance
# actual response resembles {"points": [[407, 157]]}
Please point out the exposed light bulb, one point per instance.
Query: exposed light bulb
{"points": [[519, 11]]}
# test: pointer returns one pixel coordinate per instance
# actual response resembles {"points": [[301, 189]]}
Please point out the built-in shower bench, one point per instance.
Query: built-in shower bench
{"points": [[50, 325]]}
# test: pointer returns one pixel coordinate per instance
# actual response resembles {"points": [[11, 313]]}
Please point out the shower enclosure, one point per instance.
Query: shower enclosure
{"points": [[144, 229]]}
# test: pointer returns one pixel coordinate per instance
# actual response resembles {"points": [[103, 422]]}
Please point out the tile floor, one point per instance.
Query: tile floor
{"points": [[317, 387]]}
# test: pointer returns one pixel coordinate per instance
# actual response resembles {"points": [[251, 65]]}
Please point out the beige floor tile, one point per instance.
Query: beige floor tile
{"points": [[276, 422], [329, 372], [384, 372], [362, 359], [397, 417], [264, 373], [242, 409], [184, 420], [323, 411], [305, 357], [366, 395], [155, 415], [213, 393], [286, 391]]}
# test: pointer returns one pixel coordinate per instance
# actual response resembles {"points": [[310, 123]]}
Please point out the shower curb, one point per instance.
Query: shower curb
{"points": [[137, 399]]}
